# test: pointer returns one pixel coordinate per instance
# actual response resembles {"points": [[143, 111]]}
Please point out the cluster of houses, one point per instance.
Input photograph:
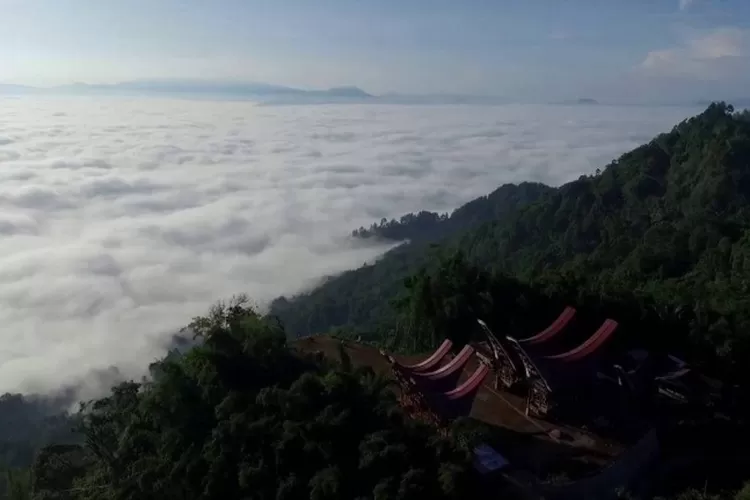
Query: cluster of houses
{"points": [[558, 369]]}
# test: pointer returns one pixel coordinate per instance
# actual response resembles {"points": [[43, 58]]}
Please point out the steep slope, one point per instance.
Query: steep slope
{"points": [[669, 218], [667, 221], [359, 299], [427, 227]]}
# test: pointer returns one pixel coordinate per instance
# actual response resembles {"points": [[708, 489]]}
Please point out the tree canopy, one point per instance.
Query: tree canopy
{"points": [[241, 415]]}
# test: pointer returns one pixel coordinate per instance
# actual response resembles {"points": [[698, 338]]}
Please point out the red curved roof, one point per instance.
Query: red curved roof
{"points": [[470, 385], [552, 330], [451, 367], [590, 346], [431, 361], [457, 402]]}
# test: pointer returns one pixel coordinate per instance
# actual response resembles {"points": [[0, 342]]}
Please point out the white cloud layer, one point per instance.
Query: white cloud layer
{"points": [[121, 219]]}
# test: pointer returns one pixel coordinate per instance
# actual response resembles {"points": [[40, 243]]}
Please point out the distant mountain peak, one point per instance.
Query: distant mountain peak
{"points": [[348, 91]]}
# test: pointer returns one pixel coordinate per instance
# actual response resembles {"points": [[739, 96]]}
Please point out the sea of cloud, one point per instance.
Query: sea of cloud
{"points": [[120, 219]]}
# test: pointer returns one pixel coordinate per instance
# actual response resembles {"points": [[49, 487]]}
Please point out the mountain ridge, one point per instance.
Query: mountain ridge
{"points": [[177, 86]]}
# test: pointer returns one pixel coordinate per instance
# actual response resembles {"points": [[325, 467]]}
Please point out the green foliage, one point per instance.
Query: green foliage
{"points": [[359, 301], [241, 415], [56, 469], [744, 493], [427, 227]]}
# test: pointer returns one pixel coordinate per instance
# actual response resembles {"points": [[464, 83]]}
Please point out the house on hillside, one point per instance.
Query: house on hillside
{"points": [[552, 380]]}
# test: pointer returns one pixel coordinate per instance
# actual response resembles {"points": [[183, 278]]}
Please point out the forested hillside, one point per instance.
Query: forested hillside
{"points": [[426, 227], [243, 415], [359, 299], [667, 223]]}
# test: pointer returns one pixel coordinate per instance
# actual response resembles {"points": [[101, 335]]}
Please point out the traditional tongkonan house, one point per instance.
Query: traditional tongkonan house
{"points": [[506, 363], [552, 379]]}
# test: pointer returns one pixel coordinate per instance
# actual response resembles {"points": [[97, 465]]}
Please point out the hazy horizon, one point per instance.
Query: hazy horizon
{"points": [[648, 52], [270, 93]]}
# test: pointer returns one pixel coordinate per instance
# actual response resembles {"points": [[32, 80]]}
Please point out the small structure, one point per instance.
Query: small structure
{"points": [[487, 460]]}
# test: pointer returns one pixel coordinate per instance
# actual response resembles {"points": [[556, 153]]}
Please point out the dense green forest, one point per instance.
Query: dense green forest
{"points": [[428, 227], [373, 286], [242, 415]]}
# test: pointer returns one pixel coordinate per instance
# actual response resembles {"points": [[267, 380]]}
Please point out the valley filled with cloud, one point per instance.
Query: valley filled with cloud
{"points": [[120, 219]]}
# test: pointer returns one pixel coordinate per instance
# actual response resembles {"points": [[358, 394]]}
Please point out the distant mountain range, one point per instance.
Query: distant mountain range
{"points": [[573, 102], [192, 88], [263, 92], [271, 94], [13, 89]]}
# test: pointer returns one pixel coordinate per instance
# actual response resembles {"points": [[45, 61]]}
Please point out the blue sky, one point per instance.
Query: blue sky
{"points": [[614, 50]]}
